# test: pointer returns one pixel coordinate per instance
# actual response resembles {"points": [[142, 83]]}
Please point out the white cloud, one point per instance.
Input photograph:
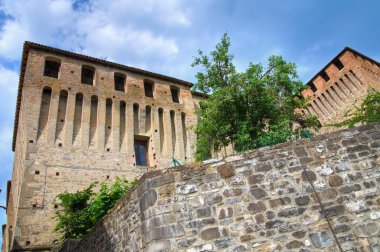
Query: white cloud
{"points": [[118, 29]]}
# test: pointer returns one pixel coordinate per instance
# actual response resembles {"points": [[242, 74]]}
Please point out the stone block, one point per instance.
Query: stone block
{"points": [[226, 170], [302, 200], [213, 233], [187, 189], [308, 175], [291, 212], [356, 206], [258, 193], [321, 239], [365, 230], [300, 152], [334, 211], [294, 244], [148, 199], [273, 224], [166, 232], [256, 178], [257, 207], [335, 181], [226, 213], [279, 202]]}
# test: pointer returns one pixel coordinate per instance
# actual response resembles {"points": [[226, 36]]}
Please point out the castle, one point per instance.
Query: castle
{"points": [[80, 119], [342, 84]]}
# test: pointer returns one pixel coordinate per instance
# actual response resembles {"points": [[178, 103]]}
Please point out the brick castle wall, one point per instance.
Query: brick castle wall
{"points": [[341, 89], [70, 135]]}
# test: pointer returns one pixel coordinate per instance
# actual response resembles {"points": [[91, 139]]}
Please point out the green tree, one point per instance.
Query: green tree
{"points": [[248, 109], [80, 211], [367, 112]]}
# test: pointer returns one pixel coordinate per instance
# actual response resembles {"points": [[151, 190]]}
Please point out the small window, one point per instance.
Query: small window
{"points": [[175, 94], [313, 87], [119, 82], [325, 76], [88, 74], [148, 87], [338, 64], [51, 68], [141, 153]]}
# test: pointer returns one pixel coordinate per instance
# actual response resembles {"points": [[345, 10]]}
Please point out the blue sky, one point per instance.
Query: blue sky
{"points": [[163, 36]]}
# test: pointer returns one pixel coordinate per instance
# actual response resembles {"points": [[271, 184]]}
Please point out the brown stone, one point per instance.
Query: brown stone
{"points": [[294, 244], [270, 215], [254, 179], [336, 210], [226, 170], [308, 175], [341, 228], [300, 152], [258, 193], [245, 238], [299, 234], [279, 202], [303, 200], [225, 213], [291, 212], [335, 181], [259, 218], [257, 207], [213, 233], [329, 193], [232, 192]]}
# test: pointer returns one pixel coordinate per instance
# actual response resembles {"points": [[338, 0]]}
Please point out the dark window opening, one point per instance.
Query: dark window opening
{"points": [[88, 74], [141, 153], [51, 68], [119, 82], [148, 88], [313, 87], [325, 76], [338, 64], [57, 174], [37, 172], [175, 94]]}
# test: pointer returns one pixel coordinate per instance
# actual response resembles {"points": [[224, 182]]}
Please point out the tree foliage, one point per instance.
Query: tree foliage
{"points": [[80, 211], [248, 109], [367, 112]]}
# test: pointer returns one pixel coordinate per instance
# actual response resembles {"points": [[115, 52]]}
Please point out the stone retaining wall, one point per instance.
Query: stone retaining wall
{"points": [[263, 200]]}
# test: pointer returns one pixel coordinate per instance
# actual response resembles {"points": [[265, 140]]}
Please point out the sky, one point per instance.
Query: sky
{"points": [[164, 36]]}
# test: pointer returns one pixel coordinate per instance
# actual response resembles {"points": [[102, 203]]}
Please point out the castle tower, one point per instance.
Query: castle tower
{"points": [[79, 120], [342, 84]]}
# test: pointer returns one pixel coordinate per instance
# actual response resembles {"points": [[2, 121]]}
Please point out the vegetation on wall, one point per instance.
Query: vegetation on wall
{"points": [[367, 112], [249, 109], [80, 211]]}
